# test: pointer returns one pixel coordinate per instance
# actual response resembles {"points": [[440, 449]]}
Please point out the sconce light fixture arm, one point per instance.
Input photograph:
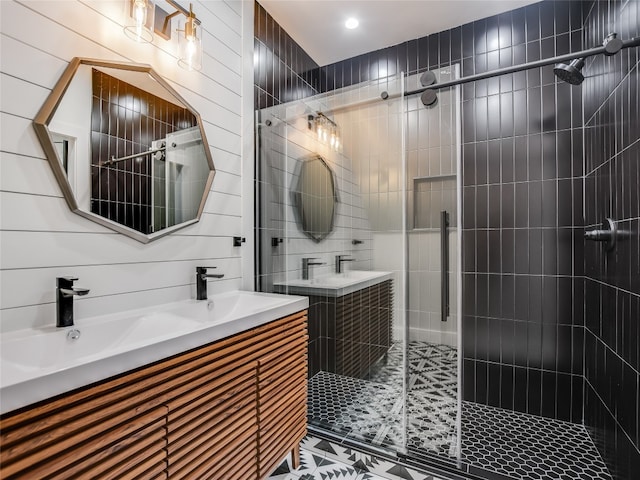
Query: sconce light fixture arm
{"points": [[180, 10]]}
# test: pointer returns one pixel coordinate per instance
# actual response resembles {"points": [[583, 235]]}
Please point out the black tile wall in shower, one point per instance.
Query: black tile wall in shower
{"points": [[124, 121], [281, 67], [281, 74], [530, 280], [522, 224], [612, 288], [522, 328]]}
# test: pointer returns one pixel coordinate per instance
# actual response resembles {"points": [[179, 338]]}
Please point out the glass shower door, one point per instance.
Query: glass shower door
{"points": [[383, 363], [356, 323], [432, 363], [374, 143]]}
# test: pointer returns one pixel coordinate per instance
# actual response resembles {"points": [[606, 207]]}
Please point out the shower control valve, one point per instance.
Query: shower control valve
{"points": [[609, 234]]}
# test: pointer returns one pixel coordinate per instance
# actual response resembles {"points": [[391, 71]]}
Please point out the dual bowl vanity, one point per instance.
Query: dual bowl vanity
{"points": [[214, 388], [187, 389]]}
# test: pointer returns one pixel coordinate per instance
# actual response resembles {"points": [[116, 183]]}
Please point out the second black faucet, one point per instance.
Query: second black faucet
{"points": [[339, 260], [201, 281]]}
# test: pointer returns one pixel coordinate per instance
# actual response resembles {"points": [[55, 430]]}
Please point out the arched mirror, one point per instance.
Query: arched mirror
{"points": [[315, 196], [127, 150]]}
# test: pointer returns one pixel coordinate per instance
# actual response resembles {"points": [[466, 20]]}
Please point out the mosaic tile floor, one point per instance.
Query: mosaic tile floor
{"points": [[528, 446], [323, 460], [513, 444], [371, 410]]}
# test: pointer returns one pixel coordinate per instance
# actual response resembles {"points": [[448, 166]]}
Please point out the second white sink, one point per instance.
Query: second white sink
{"points": [[335, 285]]}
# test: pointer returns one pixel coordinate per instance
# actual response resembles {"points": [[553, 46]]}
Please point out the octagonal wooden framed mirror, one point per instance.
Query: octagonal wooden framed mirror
{"points": [[127, 150]]}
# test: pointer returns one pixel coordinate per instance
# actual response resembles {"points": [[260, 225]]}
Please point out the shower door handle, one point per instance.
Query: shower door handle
{"points": [[444, 265]]}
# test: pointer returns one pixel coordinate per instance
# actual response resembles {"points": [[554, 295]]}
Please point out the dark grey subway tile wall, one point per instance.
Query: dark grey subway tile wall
{"points": [[522, 201], [522, 198], [550, 323], [282, 69], [612, 288], [282, 73]]}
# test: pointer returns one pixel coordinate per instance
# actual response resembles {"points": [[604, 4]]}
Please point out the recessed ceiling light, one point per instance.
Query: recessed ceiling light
{"points": [[351, 23]]}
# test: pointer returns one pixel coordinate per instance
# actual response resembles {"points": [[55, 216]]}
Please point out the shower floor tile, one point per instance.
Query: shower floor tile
{"points": [[513, 444], [527, 446]]}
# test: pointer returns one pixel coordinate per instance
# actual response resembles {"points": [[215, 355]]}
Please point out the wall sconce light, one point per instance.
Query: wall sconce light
{"points": [[327, 131], [142, 13], [189, 43], [151, 18]]}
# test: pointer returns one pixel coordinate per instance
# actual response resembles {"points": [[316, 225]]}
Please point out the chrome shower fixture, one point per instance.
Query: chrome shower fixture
{"points": [[570, 73], [609, 234]]}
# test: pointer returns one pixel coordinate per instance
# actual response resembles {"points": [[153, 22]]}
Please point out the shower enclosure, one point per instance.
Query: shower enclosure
{"points": [[383, 351], [359, 207], [538, 387]]}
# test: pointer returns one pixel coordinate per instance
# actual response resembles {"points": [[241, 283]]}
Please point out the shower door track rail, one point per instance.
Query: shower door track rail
{"points": [[634, 42]]}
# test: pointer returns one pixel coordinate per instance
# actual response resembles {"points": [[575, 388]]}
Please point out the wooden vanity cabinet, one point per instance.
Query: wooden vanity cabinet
{"points": [[282, 405], [230, 410]]}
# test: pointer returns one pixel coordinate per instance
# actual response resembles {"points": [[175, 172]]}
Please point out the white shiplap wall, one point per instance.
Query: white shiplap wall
{"points": [[40, 238]]}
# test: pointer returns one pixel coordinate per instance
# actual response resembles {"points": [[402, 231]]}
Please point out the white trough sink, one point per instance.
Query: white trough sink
{"points": [[39, 363]]}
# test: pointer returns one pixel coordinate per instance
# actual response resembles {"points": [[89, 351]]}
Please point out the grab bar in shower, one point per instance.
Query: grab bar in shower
{"points": [[444, 265]]}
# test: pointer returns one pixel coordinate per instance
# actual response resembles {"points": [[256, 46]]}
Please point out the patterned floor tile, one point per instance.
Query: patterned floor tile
{"points": [[374, 466], [333, 470], [317, 467], [309, 462], [369, 410]]}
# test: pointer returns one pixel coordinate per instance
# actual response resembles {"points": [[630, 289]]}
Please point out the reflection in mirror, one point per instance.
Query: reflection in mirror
{"points": [[314, 198], [62, 148], [128, 151]]}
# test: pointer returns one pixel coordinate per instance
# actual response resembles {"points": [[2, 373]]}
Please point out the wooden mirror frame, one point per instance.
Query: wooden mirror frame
{"points": [[45, 115]]}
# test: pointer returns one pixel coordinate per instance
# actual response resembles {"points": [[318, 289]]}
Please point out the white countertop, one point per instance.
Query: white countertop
{"points": [[335, 285], [37, 364]]}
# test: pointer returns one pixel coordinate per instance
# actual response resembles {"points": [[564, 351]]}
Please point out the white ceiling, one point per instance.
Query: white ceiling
{"points": [[318, 25]]}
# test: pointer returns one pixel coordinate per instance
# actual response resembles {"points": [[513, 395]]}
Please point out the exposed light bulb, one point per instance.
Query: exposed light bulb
{"points": [[190, 46], [326, 131], [191, 51], [141, 11]]}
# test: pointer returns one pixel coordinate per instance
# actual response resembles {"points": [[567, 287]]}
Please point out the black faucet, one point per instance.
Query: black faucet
{"points": [[201, 281], [339, 260], [306, 263], [65, 291]]}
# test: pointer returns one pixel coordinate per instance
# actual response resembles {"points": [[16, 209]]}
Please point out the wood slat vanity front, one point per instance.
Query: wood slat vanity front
{"points": [[229, 410]]}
